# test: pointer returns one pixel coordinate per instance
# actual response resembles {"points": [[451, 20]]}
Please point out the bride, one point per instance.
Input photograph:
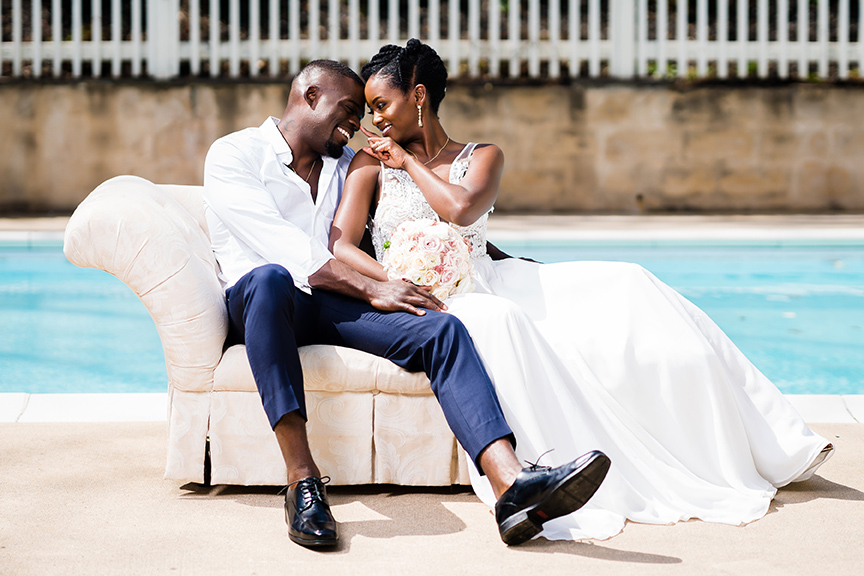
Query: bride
{"points": [[583, 355]]}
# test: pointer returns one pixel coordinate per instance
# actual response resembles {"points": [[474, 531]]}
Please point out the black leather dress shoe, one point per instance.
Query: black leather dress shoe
{"points": [[307, 513], [541, 493]]}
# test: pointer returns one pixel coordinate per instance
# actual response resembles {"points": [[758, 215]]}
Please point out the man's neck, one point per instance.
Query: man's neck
{"points": [[306, 163]]}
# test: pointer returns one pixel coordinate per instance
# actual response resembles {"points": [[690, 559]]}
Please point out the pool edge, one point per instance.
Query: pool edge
{"points": [[22, 407]]}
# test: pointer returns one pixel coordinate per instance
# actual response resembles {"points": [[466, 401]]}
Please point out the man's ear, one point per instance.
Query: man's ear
{"points": [[419, 94], [311, 96]]}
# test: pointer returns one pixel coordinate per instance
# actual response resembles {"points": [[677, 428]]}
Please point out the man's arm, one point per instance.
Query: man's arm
{"points": [[390, 296], [496, 253], [233, 191]]}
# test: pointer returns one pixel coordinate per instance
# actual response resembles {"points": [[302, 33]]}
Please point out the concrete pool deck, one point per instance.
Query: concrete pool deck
{"points": [[81, 495], [152, 407], [90, 499]]}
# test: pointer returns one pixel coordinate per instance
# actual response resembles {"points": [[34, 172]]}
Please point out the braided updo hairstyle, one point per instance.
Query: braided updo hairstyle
{"points": [[404, 68]]}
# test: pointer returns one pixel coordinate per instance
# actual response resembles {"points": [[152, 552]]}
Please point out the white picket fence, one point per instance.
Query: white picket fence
{"points": [[477, 38]]}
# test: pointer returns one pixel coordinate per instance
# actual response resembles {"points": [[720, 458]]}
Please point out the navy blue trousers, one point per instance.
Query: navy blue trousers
{"points": [[272, 317]]}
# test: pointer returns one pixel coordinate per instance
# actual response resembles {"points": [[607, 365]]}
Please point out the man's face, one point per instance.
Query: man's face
{"points": [[339, 111]]}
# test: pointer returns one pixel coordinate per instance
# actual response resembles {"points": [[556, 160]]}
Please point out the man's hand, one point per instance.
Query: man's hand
{"points": [[387, 296], [403, 296]]}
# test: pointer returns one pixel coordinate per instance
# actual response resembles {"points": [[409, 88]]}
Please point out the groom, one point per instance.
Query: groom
{"points": [[270, 195]]}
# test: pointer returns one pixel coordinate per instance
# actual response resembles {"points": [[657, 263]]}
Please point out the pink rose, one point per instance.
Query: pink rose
{"points": [[448, 276], [431, 245]]}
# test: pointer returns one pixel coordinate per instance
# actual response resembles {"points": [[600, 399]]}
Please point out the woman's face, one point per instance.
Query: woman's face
{"points": [[393, 113]]}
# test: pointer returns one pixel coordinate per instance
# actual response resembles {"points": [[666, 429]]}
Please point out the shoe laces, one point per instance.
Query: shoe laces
{"points": [[534, 466], [312, 490]]}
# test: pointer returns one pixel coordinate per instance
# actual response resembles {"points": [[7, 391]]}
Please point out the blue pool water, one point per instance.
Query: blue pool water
{"points": [[70, 329], [795, 309]]}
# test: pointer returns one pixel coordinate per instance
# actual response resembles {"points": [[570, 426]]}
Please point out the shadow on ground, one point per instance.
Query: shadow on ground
{"points": [[813, 489], [383, 507], [429, 517], [596, 551]]}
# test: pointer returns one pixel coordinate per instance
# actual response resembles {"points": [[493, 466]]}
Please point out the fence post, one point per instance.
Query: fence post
{"points": [[163, 38], [622, 37]]}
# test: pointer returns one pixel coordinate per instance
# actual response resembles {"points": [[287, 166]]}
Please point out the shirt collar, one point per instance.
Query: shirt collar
{"points": [[271, 131]]}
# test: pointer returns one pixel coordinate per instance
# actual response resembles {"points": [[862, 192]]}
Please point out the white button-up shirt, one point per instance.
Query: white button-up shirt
{"points": [[260, 212]]}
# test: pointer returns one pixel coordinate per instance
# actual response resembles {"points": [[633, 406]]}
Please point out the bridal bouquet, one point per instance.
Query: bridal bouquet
{"points": [[429, 253]]}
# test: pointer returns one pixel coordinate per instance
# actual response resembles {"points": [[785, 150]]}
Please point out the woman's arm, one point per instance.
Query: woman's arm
{"points": [[345, 235], [496, 253], [461, 204], [360, 188]]}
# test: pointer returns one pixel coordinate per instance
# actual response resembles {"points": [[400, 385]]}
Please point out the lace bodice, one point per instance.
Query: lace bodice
{"points": [[401, 200]]}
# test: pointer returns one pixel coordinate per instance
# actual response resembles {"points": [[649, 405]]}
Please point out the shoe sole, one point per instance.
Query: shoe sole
{"points": [[572, 493], [326, 543]]}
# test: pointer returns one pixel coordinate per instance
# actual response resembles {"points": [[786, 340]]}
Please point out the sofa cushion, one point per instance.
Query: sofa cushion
{"points": [[327, 369]]}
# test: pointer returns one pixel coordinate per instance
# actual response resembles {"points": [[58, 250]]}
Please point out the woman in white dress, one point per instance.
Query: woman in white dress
{"points": [[584, 355]]}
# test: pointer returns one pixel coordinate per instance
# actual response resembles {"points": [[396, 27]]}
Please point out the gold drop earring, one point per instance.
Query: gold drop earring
{"points": [[419, 116]]}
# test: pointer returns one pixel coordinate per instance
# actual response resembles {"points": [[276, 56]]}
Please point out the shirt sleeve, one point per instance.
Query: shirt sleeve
{"points": [[235, 193]]}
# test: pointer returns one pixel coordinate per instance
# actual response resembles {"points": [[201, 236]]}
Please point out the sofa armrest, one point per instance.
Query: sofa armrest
{"points": [[131, 229]]}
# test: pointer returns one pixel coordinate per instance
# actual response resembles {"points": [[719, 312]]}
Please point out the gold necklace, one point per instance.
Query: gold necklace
{"points": [[438, 154], [307, 175]]}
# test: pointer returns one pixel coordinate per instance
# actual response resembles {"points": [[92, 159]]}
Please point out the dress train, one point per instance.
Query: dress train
{"points": [[603, 355]]}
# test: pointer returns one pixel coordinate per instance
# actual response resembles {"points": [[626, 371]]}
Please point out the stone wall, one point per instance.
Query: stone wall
{"points": [[579, 148]]}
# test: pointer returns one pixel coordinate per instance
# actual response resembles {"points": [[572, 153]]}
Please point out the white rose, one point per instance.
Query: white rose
{"points": [[431, 261], [428, 278], [441, 293], [413, 275], [464, 286], [440, 231], [415, 261], [395, 258]]}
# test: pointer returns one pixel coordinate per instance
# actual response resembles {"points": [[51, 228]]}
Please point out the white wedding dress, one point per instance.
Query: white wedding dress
{"points": [[602, 355]]}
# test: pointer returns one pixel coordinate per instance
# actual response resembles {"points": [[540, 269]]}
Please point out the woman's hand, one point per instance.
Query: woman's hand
{"points": [[385, 150]]}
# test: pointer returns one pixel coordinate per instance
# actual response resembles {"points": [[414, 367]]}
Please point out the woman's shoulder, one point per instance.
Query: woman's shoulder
{"points": [[486, 149], [485, 152], [485, 146], [362, 160]]}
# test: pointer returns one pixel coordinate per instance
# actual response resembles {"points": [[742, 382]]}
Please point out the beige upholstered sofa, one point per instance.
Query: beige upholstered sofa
{"points": [[369, 421]]}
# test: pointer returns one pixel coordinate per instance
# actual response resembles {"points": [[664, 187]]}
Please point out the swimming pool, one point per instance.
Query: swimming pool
{"points": [[70, 329], [795, 308]]}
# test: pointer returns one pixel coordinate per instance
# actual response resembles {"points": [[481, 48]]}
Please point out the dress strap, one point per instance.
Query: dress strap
{"points": [[382, 177], [466, 152], [460, 165]]}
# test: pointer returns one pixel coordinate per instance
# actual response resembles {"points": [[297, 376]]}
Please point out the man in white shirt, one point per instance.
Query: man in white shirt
{"points": [[270, 196]]}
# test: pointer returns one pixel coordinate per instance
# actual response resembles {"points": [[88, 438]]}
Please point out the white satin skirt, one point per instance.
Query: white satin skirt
{"points": [[602, 355]]}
